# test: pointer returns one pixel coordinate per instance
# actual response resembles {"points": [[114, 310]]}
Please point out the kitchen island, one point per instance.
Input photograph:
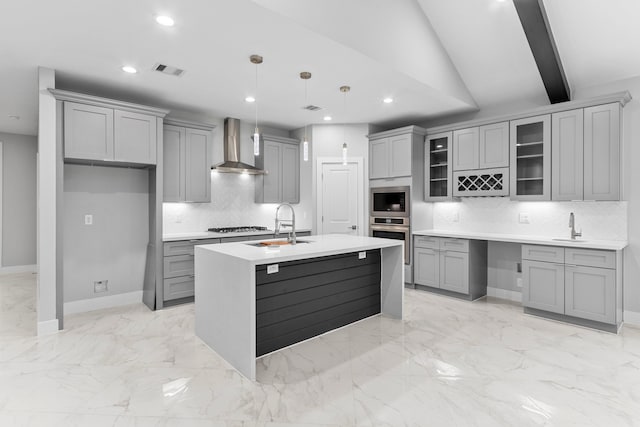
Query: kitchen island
{"points": [[252, 300]]}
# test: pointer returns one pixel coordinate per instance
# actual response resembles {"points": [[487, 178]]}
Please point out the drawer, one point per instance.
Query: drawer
{"points": [[179, 287], [457, 245], [206, 242], [590, 257], [543, 253], [244, 238], [179, 265], [179, 247], [427, 242]]}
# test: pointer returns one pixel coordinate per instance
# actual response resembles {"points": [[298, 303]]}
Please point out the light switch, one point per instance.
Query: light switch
{"points": [[88, 220], [523, 218]]}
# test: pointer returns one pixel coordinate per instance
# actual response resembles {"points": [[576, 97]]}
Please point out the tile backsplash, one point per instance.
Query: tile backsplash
{"points": [[232, 204], [598, 220]]}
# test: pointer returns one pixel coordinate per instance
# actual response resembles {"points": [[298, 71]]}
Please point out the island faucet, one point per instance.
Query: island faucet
{"points": [[292, 223], [572, 224]]}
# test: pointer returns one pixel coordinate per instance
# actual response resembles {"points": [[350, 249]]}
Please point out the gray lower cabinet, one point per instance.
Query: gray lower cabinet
{"points": [[99, 133], [178, 268], [280, 158], [456, 266], [580, 283], [187, 161]]}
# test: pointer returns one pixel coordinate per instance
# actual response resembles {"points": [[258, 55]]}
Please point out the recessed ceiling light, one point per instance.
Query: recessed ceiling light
{"points": [[327, 118], [250, 99], [129, 69], [14, 117], [167, 21], [387, 100]]}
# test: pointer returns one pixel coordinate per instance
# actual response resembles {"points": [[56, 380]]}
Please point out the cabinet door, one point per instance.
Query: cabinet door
{"points": [[290, 173], [426, 267], [602, 152], [173, 163], [400, 156], [454, 271], [197, 166], [134, 137], [590, 293], [494, 146], [379, 158], [530, 163], [88, 132], [465, 149], [543, 286], [437, 172], [272, 187], [567, 155]]}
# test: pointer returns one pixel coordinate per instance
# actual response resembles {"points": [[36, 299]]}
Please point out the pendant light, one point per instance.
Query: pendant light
{"points": [[344, 89], [256, 60], [305, 75]]}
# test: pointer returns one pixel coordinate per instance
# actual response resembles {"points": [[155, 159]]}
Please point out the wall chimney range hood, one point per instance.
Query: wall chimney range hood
{"points": [[232, 163]]}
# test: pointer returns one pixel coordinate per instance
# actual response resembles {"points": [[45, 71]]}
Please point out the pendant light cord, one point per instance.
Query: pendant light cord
{"points": [[256, 101]]}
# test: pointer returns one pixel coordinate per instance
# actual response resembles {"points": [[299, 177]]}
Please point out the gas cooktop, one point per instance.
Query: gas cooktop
{"points": [[240, 229]]}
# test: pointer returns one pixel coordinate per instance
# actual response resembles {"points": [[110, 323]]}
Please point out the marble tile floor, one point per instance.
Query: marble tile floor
{"points": [[449, 363]]}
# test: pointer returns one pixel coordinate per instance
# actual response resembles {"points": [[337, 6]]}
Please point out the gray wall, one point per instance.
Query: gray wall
{"points": [[18, 199], [114, 247], [502, 259]]}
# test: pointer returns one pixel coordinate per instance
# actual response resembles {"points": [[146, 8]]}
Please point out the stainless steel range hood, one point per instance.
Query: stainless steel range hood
{"points": [[232, 163]]}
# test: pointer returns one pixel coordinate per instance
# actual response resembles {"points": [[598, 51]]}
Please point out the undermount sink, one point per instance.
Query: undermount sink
{"points": [[274, 243], [570, 240]]}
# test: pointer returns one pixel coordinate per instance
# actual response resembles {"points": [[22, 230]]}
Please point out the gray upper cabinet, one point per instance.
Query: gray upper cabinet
{"points": [[493, 149], [465, 149], [391, 152], [602, 152], [187, 161], [567, 160], [88, 132], [134, 137], [437, 167], [530, 158], [280, 158], [94, 132]]}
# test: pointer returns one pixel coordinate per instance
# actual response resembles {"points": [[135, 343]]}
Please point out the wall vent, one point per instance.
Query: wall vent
{"points": [[311, 108], [168, 69]]}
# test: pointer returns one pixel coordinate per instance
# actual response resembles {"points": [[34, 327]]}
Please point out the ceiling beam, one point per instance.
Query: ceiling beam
{"points": [[538, 31]]}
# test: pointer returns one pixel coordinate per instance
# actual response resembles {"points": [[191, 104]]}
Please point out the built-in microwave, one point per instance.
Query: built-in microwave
{"points": [[390, 202]]}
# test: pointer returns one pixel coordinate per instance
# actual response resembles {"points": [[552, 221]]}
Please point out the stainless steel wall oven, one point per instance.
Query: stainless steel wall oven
{"points": [[390, 215]]}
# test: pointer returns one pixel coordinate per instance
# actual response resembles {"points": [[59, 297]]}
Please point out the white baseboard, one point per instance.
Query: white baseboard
{"points": [[631, 317], [504, 294], [99, 303], [19, 269], [48, 327]]}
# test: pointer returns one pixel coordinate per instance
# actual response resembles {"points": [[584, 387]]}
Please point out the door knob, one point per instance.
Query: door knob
{"points": [[354, 227]]}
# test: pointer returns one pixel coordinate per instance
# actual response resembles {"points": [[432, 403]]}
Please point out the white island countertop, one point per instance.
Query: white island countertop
{"points": [[323, 245], [201, 235], [613, 245]]}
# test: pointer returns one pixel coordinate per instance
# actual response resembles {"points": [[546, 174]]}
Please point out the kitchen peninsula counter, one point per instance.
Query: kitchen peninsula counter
{"points": [[251, 300]]}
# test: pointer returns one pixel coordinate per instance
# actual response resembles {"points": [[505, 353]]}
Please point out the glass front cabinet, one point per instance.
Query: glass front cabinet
{"points": [[530, 149], [438, 171]]}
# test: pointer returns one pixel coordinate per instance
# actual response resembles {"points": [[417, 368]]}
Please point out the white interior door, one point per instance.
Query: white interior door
{"points": [[340, 201]]}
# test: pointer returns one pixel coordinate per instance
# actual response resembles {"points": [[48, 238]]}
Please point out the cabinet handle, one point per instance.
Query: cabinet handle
{"points": [[571, 265], [558, 264], [192, 276]]}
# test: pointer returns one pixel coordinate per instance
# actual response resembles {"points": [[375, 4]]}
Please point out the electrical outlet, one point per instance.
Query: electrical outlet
{"points": [[100, 286], [519, 282], [455, 217], [178, 219], [523, 218], [362, 255], [273, 268], [88, 220]]}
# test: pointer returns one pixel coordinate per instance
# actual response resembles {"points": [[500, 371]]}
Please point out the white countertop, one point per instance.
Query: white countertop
{"points": [[324, 245], [614, 245], [197, 235]]}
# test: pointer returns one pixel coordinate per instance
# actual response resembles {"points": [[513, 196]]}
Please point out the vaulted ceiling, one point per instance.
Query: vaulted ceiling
{"points": [[433, 57]]}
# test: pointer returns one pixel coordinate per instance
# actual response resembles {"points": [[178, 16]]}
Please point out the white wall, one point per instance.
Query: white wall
{"points": [[327, 142], [18, 199], [114, 247]]}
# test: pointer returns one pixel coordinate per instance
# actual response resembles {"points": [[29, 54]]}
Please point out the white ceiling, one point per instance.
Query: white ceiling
{"points": [[433, 57]]}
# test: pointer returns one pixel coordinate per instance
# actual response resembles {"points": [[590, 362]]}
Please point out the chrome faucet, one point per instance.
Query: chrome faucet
{"points": [[281, 223], [572, 225]]}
